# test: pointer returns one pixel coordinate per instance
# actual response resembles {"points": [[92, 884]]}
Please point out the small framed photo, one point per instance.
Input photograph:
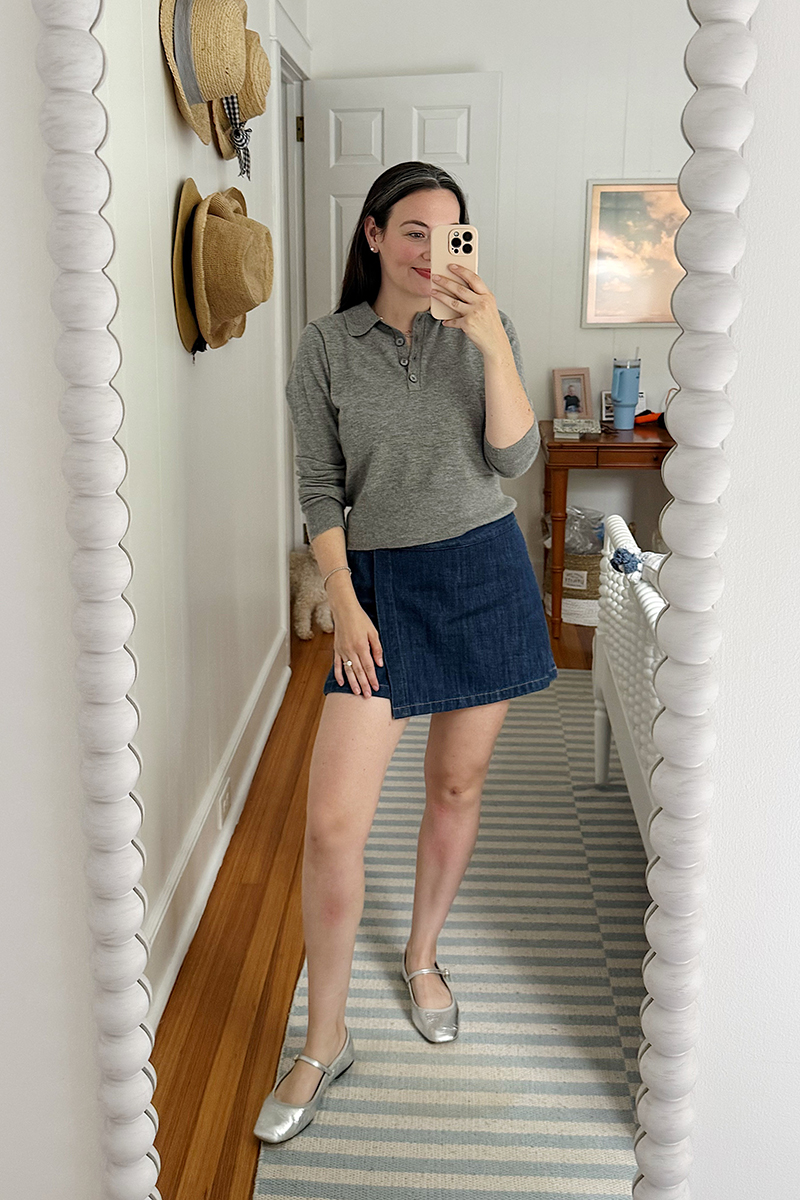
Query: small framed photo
{"points": [[572, 396], [607, 405]]}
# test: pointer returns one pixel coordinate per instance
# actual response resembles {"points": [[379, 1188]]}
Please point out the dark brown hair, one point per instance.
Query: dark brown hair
{"points": [[362, 274]]}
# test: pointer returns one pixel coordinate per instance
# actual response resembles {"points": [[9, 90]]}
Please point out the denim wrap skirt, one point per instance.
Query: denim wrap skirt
{"points": [[461, 621]]}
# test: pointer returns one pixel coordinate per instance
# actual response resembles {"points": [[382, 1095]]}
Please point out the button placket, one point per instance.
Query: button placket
{"points": [[416, 353], [414, 357]]}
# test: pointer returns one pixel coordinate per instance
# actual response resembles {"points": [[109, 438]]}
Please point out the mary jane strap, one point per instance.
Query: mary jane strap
{"points": [[443, 971], [314, 1063]]}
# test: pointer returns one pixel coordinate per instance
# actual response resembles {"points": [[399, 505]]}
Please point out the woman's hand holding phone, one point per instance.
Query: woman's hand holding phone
{"points": [[474, 309], [451, 246], [459, 297]]}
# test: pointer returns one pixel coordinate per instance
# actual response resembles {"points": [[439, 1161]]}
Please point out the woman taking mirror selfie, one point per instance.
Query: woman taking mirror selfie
{"points": [[410, 421]]}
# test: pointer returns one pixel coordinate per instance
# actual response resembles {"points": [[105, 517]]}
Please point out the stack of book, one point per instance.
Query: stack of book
{"points": [[565, 428]]}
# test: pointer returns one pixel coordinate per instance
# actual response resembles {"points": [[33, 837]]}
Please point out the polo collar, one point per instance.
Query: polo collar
{"points": [[361, 317]]}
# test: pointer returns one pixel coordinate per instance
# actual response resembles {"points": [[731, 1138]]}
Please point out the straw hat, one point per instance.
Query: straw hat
{"points": [[222, 266], [204, 44], [252, 94], [182, 284]]}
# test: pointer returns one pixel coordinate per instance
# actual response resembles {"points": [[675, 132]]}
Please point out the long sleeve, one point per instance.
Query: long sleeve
{"points": [[512, 461], [321, 466]]}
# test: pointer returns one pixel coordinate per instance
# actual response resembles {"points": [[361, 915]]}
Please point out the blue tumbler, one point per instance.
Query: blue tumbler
{"points": [[625, 391]]}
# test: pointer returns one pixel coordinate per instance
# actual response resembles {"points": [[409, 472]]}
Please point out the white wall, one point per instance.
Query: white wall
{"points": [[49, 1131], [205, 483], [590, 91], [296, 10], [748, 1098]]}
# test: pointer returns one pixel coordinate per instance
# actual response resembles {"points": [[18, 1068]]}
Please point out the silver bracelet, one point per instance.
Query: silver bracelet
{"points": [[333, 572]]}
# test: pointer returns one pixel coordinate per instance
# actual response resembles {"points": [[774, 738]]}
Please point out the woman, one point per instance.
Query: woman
{"points": [[409, 421]]}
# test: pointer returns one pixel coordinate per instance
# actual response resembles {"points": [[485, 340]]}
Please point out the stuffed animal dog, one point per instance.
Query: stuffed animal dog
{"points": [[308, 596]]}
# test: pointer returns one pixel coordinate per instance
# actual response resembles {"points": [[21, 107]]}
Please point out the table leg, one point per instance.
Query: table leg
{"points": [[546, 509], [558, 514]]}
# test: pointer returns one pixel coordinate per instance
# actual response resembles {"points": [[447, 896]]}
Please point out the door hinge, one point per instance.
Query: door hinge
{"points": [[300, 130]]}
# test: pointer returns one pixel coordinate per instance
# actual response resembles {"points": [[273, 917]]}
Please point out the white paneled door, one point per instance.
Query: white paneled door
{"points": [[355, 129]]}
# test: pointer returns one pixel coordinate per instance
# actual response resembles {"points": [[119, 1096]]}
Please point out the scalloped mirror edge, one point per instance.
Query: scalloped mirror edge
{"points": [[713, 182]]}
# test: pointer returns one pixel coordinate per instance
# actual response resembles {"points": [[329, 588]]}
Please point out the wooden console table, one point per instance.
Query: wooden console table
{"points": [[640, 448]]}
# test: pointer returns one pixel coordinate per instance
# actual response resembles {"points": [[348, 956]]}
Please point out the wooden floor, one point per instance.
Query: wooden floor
{"points": [[219, 1039]]}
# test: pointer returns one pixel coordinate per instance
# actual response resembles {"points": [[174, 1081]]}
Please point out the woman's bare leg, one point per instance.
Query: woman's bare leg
{"points": [[355, 742], [457, 757]]}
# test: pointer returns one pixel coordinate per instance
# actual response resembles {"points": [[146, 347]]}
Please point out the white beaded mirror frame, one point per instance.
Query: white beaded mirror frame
{"points": [[720, 58]]}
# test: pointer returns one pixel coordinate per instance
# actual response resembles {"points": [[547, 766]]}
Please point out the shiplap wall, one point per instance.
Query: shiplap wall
{"points": [[205, 481]]}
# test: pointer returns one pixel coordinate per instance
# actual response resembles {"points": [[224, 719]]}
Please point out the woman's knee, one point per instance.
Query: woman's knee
{"points": [[333, 835], [451, 780], [454, 791], [459, 752]]}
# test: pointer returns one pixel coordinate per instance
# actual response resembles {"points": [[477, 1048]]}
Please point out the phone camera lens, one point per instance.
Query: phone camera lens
{"points": [[467, 236], [466, 249], [456, 242]]}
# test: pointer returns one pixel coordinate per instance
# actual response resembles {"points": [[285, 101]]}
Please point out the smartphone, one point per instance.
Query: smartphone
{"points": [[451, 244]]}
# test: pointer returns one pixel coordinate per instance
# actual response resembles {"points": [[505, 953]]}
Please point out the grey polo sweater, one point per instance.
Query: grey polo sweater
{"points": [[397, 436]]}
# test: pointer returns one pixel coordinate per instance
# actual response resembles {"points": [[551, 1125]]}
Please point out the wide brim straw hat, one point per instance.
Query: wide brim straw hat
{"points": [[222, 266], [232, 265], [204, 44], [182, 285], [252, 94]]}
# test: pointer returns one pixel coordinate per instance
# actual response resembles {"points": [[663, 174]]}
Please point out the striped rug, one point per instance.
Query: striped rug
{"points": [[544, 942]]}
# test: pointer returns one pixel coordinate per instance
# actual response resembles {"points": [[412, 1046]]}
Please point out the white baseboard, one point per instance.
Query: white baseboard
{"points": [[173, 921]]}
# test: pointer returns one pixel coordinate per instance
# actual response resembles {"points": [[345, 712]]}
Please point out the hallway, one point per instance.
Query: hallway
{"points": [[221, 1033]]}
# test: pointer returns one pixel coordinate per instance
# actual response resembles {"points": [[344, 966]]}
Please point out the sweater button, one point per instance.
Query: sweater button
{"points": [[399, 341], [403, 362], [413, 378]]}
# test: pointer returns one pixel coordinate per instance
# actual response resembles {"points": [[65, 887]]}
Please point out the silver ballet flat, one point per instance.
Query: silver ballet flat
{"points": [[435, 1024], [278, 1121]]}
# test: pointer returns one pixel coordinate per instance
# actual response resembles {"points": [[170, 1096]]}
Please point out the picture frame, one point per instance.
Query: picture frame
{"points": [[630, 268], [572, 393], [607, 405]]}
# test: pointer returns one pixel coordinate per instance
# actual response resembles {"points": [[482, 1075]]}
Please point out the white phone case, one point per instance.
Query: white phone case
{"points": [[444, 252]]}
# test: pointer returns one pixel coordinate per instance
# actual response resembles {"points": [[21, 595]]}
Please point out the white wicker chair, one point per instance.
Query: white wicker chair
{"points": [[625, 656]]}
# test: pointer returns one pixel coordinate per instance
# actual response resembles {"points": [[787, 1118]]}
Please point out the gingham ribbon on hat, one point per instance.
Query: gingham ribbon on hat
{"points": [[238, 133]]}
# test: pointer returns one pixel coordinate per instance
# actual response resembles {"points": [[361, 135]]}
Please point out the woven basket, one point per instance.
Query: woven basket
{"points": [[580, 603]]}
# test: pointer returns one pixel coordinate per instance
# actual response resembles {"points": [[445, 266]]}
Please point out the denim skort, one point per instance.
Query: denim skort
{"points": [[461, 621]]}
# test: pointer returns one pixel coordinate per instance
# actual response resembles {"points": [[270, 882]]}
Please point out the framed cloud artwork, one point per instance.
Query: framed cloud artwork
{"points": [[630, 269]]}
